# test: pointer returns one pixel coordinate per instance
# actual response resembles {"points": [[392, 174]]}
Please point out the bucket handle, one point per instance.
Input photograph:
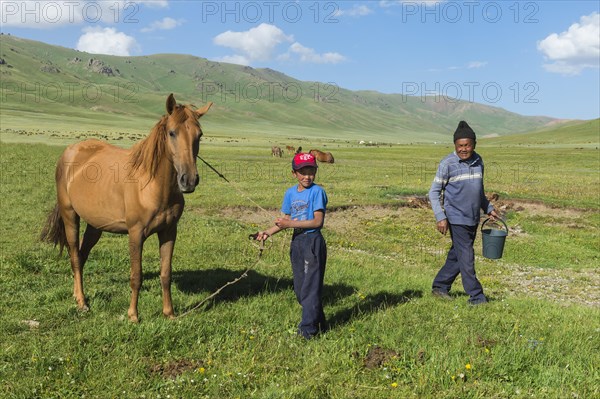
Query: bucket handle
{"points": [[486, 220]]}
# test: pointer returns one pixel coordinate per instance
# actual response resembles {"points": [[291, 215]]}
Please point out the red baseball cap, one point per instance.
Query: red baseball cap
{"points": [[303, 159]]}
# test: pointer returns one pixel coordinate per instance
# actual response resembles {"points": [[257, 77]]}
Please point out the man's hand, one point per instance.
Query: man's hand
{"points": [[442, 226], [493, 215]]}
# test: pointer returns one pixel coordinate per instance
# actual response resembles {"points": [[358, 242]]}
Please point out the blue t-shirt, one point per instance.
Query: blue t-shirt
{"points": [[302, 205]]}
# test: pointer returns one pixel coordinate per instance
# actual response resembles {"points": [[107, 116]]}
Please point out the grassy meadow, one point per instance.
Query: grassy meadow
{"points": [[539, 337]]}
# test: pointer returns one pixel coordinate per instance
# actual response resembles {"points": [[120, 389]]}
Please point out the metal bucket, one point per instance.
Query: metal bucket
{"points": [[493, 240]]}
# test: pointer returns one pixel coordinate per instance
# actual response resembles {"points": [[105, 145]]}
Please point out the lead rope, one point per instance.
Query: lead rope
{"points": [[261, 246], [240, 192], [241, 276]]}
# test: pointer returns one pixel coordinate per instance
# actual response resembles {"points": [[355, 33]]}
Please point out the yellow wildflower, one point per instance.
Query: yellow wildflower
{"points": [[468, 366]]}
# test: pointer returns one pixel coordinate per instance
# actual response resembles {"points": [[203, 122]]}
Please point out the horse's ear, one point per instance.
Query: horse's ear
{"points": [[203, 110], [171, 103]]}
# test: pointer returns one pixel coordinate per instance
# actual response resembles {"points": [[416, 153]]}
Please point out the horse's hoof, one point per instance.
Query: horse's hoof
{"points": [[82, 306], [133, 317]]}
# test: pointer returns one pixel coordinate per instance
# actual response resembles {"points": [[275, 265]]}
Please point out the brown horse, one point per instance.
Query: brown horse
{"points": [[138, 191], [322, 156], [276, 151]]}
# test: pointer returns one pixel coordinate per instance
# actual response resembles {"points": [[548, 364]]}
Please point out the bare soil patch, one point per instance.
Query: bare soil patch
{"points": [[562, 286], [376, 357], [558, 285], [175, 368]]}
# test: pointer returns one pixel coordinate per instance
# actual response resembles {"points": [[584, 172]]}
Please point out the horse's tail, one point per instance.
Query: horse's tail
{"points": [[54, 229]]}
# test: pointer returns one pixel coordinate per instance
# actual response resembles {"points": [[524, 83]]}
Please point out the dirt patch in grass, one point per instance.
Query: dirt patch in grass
{"points": [[175, 368], [558, 285], [562, 286], [376, 357]]}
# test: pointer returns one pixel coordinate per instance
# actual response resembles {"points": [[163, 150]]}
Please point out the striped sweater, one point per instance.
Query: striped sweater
{"points": [[459, 184]]}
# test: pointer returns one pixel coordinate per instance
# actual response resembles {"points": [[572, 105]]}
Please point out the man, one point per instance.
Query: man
{"points": [[456, 196]]}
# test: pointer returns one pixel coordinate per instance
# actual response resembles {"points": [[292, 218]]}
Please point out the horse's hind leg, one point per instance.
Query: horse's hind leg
{"points": [[90, 238], [71, 221]]}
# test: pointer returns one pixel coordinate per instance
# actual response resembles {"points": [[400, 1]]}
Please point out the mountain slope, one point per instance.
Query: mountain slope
{"points": [[584, 134], [63, 86]]}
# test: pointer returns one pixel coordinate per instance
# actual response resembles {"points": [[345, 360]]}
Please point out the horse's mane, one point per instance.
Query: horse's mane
{"points": [[149, 152]]}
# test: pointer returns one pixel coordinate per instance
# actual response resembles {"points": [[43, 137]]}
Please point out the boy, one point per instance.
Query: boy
{"points": [[304, 209], [459, 182]]}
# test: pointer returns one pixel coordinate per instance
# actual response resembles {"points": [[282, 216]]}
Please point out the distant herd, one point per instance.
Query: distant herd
{"points": [[321, 156]]}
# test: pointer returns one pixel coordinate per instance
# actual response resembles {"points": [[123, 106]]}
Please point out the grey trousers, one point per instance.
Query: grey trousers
{"points": [[461, 259]]}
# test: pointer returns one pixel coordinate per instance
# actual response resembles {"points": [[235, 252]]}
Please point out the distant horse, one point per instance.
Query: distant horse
{"points": [[276, 151], [290, 149], [138, 191], [322, 156]]}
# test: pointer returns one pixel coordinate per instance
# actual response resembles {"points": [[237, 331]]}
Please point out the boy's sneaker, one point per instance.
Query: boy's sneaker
{"points": [[441, 294], [475, 302]]}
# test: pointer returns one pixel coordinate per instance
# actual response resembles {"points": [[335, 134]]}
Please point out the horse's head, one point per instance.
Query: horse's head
{"points": [[183, 142]]}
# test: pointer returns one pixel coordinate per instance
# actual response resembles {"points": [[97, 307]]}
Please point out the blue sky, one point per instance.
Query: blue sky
{"points": [[529, 57]]}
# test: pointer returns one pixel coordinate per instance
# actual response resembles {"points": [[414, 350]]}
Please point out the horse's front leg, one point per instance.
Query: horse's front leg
{"points": [[166, 240], [136, 244]]}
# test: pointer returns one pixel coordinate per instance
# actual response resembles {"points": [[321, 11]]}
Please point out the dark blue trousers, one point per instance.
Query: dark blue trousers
{"points": [[308, 254], [461, 259]]}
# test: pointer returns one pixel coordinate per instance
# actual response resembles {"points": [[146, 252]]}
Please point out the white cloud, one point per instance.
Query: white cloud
{"points": [[309, 55], [107, 41], [425, 3], [470, 65], [166, 23], [476, 64], [153, 3], [234, 59], [573, 50], [256, 44], [355, 11]]}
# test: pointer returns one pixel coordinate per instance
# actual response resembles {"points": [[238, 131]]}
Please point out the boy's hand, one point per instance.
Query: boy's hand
{"points": [[261, 236], [283, 223], [442, 226]]}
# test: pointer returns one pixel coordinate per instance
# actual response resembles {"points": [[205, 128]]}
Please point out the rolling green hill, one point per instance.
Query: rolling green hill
{"points": [[584, 134], [60, 89]]}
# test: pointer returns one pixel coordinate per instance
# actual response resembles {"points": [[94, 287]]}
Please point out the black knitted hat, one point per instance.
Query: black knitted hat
{"points": [[464, 131]]}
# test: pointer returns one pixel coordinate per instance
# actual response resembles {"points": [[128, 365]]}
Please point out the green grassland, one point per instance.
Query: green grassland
{"points": [[538, 337]]}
